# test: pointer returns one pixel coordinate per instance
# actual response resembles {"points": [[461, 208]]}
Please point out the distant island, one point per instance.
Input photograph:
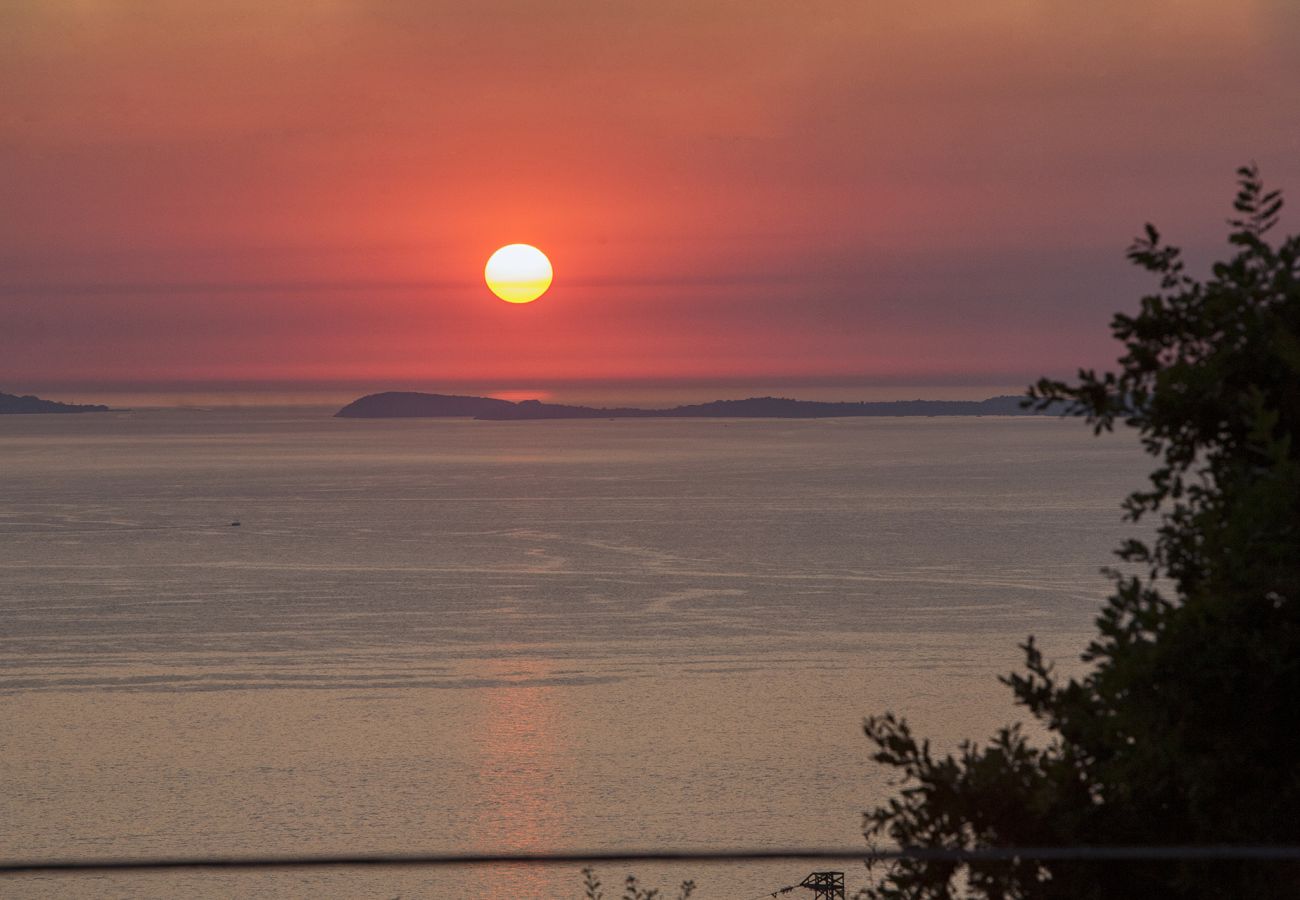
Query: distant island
{"points": [[411, 404], [12, 404]]}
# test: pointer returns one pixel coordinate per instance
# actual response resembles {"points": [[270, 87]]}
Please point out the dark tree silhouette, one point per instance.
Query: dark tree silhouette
{"points": [[1186, 729]]}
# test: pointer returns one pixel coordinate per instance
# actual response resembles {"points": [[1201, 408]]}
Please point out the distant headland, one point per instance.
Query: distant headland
{"points": [[410, 404], [12, 404]]}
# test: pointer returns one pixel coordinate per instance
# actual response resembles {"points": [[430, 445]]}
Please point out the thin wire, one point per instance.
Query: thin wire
{"points": [[785, 890], [992, 854]]}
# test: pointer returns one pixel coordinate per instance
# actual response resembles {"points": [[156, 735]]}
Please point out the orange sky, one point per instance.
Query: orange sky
{"points": [[857, 193]]}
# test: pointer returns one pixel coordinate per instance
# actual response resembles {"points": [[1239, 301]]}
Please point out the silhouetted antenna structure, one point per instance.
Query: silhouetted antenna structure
{"points": [[825, 885]]}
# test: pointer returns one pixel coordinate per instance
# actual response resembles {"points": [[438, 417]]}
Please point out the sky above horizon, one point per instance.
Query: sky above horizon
{"points": [[822, 193]]}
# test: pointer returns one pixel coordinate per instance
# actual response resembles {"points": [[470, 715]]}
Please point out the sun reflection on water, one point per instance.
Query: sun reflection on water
{"points": [[522, 762]]}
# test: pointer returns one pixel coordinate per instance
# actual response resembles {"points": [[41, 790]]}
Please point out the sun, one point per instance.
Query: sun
{"points": [[518, 273]]}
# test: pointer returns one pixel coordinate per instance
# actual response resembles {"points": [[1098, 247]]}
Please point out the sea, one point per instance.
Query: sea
{"points": [[267, 631]]}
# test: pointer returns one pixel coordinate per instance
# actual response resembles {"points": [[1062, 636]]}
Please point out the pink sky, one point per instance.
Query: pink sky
{"points": [[847, 193]]}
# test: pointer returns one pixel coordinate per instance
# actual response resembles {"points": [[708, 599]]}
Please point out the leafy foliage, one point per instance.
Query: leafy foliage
{"points": [[1186, 729], [632, 889]]}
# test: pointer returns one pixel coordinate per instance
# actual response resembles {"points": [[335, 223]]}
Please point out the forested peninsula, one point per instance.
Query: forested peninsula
{"points": [[410, 404], [12, 404]]}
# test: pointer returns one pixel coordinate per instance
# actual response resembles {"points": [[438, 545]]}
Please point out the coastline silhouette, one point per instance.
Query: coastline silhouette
{"points": [[12, 404], [413, 404]]}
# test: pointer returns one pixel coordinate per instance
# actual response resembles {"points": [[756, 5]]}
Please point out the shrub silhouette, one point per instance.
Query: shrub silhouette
{"points": [[1186, 730], [632, 889]]}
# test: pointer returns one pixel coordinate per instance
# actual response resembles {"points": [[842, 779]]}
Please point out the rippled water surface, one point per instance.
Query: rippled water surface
{"points": [[478, 636]]}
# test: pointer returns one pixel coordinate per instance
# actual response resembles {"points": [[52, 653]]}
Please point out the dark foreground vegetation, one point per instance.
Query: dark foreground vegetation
{"points": [[632, 889], [1186, 731]]}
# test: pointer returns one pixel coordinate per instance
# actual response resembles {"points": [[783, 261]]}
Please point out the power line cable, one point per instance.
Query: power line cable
{"points": [[785, 890], [1262, 853]]}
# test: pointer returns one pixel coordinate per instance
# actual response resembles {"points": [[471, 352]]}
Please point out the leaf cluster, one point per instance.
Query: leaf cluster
{"points": [[1185, 729], [632, 889]]}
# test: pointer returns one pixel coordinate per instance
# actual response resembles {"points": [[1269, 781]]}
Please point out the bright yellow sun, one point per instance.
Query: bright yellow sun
{"points": [[518, 273]]}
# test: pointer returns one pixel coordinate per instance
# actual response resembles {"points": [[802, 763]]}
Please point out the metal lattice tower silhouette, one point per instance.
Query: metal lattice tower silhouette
{"points": [[825, 885]]}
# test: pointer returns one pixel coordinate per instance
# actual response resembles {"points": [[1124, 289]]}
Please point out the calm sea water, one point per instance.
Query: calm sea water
{"points": [[477, 636]]}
